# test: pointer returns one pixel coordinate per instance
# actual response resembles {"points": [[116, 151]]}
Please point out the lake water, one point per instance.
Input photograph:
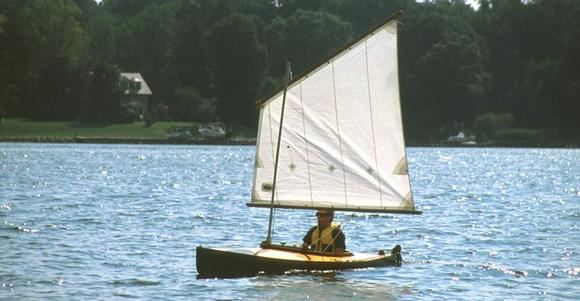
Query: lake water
{"points": [[101, 222]]}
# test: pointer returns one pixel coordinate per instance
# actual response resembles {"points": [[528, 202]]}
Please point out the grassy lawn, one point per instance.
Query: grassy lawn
{"points": [[68, 129]]}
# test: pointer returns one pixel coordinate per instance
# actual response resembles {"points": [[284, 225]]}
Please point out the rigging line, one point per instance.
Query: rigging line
{"points": [[336, 236], [319, 240], [333, 239]]}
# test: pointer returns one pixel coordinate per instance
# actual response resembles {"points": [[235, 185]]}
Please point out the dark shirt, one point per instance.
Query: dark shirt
{"points": [[339, 242]]}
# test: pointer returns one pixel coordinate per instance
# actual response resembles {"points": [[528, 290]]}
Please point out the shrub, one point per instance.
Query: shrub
{"points": [[487, 125], [516, 135]]}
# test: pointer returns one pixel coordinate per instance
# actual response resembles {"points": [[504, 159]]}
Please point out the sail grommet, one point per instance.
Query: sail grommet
{"points": [[266, 187]]}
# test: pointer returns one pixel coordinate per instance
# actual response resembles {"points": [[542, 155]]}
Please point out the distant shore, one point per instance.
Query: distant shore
{"points": [[252, 141], [97, 140], [21, 130]]}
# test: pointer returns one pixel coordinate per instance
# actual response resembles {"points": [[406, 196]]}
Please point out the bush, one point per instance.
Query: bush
{"points": [[102, 103], [487, 125], [516, 135], [186, 104]]}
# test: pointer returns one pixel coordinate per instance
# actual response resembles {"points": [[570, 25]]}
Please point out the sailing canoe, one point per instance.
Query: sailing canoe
{"points": [[277, 259], [332, 138]]}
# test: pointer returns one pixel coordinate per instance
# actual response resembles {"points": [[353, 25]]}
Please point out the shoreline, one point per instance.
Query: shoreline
{"points": [[102, 140], [252, 141]]}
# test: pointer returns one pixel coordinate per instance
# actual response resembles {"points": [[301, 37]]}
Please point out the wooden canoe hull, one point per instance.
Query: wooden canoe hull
{"points": [[243, 262]]}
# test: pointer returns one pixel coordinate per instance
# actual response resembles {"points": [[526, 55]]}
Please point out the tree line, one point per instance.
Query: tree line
{"points": [[459, 66]]}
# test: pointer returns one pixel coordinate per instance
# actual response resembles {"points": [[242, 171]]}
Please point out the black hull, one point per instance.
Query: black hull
{"points": [[230, 263]]}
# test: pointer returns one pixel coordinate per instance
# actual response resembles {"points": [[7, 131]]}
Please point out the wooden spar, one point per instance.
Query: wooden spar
{"points": [[353, 209], [286, 80]]}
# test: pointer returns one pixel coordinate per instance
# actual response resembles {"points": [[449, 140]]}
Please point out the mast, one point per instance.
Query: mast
{"points": [[287, 78]]}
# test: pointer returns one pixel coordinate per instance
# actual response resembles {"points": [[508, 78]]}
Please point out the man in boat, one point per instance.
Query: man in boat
{"points": [[325, 237]]}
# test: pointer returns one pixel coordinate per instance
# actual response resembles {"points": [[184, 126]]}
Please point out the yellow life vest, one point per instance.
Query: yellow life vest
{"points": [[326, 242]]}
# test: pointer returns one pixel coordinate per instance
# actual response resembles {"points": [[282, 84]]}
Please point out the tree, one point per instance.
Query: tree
{"points": [[101, 30], [363, 14], [191, 55], [187, 104], [531, 45], [56, 49], [442, 65], [487, 125], [148, 45], [103, 100], [239, 61], [455, 63], [3, 62], [14, 60], [310, 36]]}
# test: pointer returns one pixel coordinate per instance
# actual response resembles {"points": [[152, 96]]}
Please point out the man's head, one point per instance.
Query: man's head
{"points": [[324, 217]]}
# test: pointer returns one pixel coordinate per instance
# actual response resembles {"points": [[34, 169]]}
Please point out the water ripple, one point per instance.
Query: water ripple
{"points": [[96, 222], [135, 282]]}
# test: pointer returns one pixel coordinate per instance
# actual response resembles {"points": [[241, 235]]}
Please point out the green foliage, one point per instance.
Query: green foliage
{"points": [[487, 125], [53, 32], [239, 60], [3, 62], [71, 129], [444, 79], [54, 47], [520, 136], [103, 101], [187, 104], [101, 30], [455, 63], [530, 48], [242, 132], [311, 36]]}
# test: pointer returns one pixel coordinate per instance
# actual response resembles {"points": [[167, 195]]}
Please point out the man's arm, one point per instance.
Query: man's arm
{"points": [[308, 238]]}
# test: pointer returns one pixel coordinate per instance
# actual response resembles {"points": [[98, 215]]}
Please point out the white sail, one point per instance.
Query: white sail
{"points": [[342, 140]]}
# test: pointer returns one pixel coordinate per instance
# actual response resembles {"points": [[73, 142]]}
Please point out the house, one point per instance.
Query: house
{"points": [[136, 93]]}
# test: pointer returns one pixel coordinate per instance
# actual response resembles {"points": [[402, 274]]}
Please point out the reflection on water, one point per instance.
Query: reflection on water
{"points": [[321, 286], [96, 222]]}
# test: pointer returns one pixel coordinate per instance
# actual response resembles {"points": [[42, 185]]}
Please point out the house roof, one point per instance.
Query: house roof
{"points": [[135, 78]]}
